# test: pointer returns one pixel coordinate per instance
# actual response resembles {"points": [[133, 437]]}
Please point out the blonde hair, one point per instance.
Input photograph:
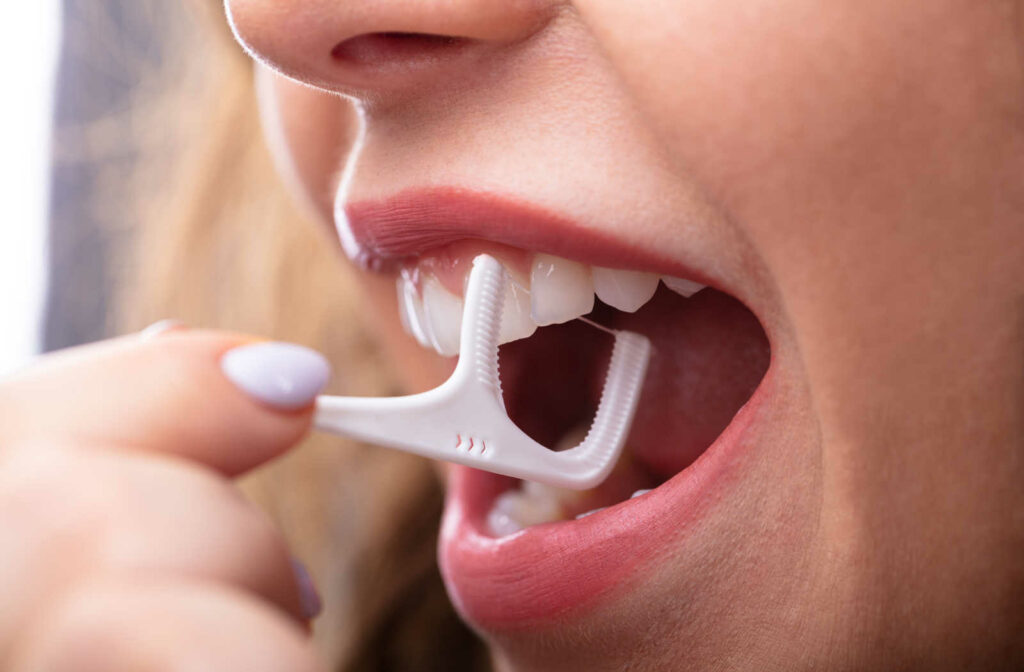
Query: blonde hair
{"points": [[219, 244]]}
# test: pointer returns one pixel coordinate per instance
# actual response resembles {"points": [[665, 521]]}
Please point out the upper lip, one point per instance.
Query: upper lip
{"points": [[379, 233]]}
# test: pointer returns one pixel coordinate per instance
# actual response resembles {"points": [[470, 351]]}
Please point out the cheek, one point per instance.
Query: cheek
{"points": [[309, 133], [735, 87], [850, 140], [825, 130]]}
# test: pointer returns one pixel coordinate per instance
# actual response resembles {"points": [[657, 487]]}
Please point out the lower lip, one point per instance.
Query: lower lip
{"points": [[558, 571]]}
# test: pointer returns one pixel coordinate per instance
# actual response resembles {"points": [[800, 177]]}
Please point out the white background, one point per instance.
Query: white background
{"points": [[29, 39]]}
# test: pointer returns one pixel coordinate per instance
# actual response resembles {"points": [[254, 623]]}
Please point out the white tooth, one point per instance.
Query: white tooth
{"points": [[404, 310], [501, 525], [591, 512], [516, 322], [443, 311], [538, 490], [541, 492], [515, 510], [625, 290], [537, 506], [501, 518], [638, 493], [560, 290], [682, 286], [410, 310], [548, 500]]}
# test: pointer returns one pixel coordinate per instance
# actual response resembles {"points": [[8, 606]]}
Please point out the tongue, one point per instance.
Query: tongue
{"points": [[709, 354]]}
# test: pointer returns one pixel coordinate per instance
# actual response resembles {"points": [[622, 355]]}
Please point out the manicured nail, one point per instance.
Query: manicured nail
{"points": [[159, 328], [284, 375], [309, 598]]}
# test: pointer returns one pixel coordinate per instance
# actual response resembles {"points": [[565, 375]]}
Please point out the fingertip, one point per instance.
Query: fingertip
{"points": [[309, 596], [250, 400], [160, 328], [226, 400], [283, 376]]}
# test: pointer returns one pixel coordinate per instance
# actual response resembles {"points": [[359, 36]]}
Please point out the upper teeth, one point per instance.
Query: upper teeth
{"points": [[559, 290], [410, 310], [682, 286], [443, 314], [625, 290], [516, 322]]}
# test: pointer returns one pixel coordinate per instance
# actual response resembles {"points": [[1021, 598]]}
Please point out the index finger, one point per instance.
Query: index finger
{"points": [[224, 400]]}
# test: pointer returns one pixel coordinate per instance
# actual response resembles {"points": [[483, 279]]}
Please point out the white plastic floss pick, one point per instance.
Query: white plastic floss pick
{"points": [[464, 419]]}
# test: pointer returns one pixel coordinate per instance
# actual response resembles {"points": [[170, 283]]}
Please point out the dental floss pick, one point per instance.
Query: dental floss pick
{"points": [[595, 325], [464, 420], [585, 320]]}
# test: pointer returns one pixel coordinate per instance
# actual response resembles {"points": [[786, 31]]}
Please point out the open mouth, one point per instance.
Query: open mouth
{"points": [[709, 354]]}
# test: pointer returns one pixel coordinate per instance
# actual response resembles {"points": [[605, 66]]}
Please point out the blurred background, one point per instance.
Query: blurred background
{"points": [[136, 187], [76, 72], [28, 57]]}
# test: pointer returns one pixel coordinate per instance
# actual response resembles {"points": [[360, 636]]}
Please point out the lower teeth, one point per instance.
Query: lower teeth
{"points": [[591, 512], [515, 510], [533, 504], [536, 503]]}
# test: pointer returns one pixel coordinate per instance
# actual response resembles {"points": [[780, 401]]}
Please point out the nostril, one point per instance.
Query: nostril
{"points": [[395, 47]]}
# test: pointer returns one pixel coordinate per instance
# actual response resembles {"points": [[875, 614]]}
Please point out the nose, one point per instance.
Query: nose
{"points": [[361, 47]]}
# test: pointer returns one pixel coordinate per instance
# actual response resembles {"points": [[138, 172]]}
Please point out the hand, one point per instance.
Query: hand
{"points": [[123, 543]]}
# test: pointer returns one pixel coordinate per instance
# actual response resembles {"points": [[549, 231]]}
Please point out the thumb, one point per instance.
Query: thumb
{"points": [[224, 400]]}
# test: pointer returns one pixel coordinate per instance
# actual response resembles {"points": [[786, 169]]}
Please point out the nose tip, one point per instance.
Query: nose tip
{"points": [[357, 45]]}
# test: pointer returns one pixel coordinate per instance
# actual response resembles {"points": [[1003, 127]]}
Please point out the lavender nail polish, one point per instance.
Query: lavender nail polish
{"points": [[309, 598], [160, 328], [283, 375]]}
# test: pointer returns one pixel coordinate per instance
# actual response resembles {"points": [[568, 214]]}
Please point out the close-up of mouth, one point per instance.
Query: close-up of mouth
{"points": [[515, 552], [513, 336]]}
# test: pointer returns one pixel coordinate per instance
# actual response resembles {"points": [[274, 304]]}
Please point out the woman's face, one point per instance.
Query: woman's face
{"points": [[845, 177]]}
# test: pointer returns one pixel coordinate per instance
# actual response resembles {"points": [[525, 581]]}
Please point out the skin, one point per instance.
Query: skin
{"points": [[853, 169], [118, 515]]}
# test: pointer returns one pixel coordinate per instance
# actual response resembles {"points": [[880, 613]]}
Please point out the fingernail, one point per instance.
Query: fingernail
{"points": [[161, 327], [284, 375], [309, 598]]}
